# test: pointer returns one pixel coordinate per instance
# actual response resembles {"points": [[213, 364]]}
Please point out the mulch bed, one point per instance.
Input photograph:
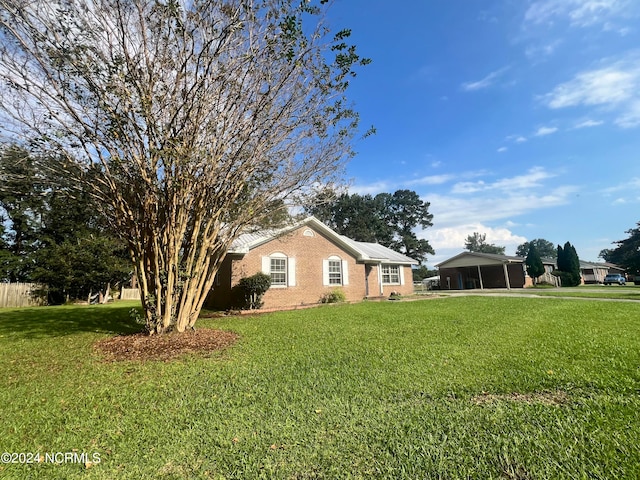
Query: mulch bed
{"points": [[141, 346]]}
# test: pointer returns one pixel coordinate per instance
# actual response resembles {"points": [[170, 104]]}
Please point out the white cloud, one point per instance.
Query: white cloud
{"points": [[579, 13], [633, 185], [610, 85], [486, 82], [532, 179], [614, 87], [588, 124], [540, 52], [543, 131], [502, 149], [631, 116], [449, 241], [453, 210], [484, 205], [371, 189], [430, 180], [515, 138]]}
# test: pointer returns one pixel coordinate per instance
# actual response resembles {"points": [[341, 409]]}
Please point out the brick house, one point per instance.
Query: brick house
{"points": [[307, 260]]}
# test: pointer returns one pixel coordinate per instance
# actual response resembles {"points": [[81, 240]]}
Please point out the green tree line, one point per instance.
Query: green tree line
{"points": [[51, 233]]}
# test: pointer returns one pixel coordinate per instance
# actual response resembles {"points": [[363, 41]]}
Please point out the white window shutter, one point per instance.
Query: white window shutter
{"points": [[291, 272], [325, 272], [345, 272], [401, 268], [266, 265]]}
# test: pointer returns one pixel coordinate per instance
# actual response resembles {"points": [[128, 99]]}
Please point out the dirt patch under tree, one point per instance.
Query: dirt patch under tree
{"points": [[141, 347]]}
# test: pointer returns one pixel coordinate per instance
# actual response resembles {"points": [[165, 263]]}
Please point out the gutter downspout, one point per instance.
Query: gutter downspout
{"points": [[380, 278]]}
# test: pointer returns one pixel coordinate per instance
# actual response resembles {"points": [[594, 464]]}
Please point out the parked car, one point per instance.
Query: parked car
{"points": [[615, 278]]}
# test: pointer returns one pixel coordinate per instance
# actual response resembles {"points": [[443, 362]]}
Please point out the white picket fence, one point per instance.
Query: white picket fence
{"points": [[18, 295]]}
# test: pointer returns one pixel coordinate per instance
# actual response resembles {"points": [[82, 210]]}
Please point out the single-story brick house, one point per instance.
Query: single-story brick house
{"points": [[307, 260]]}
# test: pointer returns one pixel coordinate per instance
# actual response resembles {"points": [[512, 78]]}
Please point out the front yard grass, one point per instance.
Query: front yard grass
{"points": [[615, 292], [471, 387]]}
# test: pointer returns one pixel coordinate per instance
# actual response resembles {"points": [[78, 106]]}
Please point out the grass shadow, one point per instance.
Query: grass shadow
{"points": [[58, 321]]}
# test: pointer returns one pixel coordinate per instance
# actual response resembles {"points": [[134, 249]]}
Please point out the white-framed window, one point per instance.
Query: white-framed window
{"points": [[281, 268], [335, 272], [278, 271], [392, 275]]}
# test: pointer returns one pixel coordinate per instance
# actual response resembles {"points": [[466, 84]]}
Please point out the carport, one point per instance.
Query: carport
{"points": [[471, 270]]}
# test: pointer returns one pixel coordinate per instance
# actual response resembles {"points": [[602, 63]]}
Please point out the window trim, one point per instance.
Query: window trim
{"points": [[390, 275], [326, 271], [335, 277], [279, 271], [289, 269]]}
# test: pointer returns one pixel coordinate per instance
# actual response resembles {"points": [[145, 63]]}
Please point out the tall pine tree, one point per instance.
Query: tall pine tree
{"points": [[387, 219], [535, 268], [568, 265]]}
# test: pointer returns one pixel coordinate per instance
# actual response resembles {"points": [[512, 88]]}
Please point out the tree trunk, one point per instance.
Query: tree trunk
{"points": [[174, 286], [105, 297]]}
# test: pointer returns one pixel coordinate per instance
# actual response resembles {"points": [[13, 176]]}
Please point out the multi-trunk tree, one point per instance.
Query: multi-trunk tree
{"points": [[190, 121]]}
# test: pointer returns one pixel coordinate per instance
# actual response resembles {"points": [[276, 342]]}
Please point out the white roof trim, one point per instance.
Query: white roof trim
{"points": [[247, 242]]}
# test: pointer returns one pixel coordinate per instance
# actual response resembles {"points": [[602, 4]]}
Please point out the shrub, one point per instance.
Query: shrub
{"points": [[248, 293], [334, 296], [568, 279]]}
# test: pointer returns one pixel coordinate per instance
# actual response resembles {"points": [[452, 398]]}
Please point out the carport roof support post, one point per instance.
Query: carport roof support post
{"points": [[480, 277], [506, 275]]}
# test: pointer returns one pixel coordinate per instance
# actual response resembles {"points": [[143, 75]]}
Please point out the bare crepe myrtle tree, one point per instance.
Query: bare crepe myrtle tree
{"points": [[192, 121]]}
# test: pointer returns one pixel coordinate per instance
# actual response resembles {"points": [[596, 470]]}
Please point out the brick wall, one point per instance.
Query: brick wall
{"points": [[309, 248], [374, 283]]}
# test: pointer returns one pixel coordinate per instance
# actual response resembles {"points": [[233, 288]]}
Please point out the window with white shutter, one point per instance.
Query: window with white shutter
{"points": [[335, 272], [281, 268]]}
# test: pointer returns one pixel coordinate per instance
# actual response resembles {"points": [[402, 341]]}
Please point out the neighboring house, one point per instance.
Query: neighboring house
{"points": [[595, 272], [306, 261], [470, 270]]}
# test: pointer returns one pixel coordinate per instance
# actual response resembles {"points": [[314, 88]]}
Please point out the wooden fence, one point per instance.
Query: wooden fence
{"points": [[130, 294], [18, 295]]}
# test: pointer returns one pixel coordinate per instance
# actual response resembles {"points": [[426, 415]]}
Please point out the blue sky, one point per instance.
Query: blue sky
{"points": [[518, 119]]}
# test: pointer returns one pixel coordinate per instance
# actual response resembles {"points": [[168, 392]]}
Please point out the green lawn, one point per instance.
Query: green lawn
{"points": [[612, 292], [471, 387], [619, 292]]}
